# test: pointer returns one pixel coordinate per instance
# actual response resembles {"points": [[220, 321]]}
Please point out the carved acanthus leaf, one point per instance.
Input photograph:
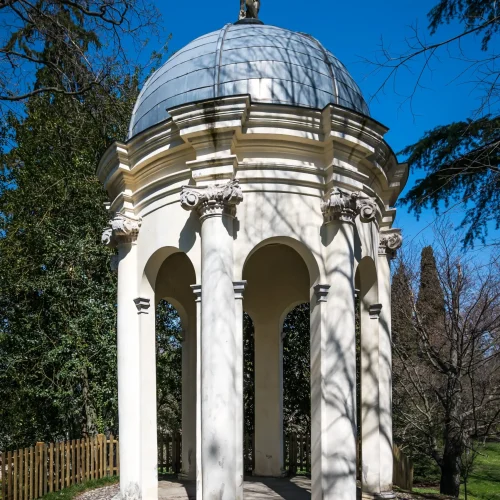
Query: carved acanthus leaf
{"points": [[344, 205], [389, 243], [122, 229], [212, 200]]}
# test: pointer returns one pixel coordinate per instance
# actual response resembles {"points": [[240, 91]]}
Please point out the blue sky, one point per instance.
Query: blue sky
{"points": [[353, 32]]}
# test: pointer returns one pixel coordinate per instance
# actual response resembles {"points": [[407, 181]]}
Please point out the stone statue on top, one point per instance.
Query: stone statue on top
{"points": [[252, 9]]}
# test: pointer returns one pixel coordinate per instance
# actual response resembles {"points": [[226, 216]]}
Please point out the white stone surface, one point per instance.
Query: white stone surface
{"points": [[289, 162], [333, 372]]}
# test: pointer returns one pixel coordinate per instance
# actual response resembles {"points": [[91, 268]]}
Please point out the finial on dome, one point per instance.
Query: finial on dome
{"points": [[251, 11]]}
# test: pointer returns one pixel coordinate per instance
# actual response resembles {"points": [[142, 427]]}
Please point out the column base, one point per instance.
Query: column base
{"points": [[186, 476], [385, 495], [283, 473]]}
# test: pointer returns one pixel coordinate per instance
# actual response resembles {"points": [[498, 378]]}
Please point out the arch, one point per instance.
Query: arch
{"points": [[153, 265], [304, 252], [366, 280]]}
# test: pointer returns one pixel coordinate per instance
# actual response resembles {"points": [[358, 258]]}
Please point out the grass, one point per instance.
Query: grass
{"points": [[76, 489], [484, 480]]}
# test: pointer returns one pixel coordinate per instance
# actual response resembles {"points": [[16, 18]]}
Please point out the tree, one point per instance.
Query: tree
{"points": [[168, 367], [461, 160], [450, 389], [67, 39], [430, 302], [297, 371], [57, 293]]}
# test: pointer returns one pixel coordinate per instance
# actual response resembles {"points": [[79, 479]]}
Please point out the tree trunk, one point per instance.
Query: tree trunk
{"points": [[450, 472]]}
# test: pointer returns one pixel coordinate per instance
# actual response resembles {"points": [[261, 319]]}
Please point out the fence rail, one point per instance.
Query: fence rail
{"points": [[30, 473]]}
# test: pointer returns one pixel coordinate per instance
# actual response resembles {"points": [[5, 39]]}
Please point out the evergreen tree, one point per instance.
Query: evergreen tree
{"points": [[430, 303], [57, 293]]}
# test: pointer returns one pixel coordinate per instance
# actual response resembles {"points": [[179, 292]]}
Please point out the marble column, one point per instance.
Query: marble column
{"points": [[239, 289], [333, 351], [189, 400], [268, 396], [216, 206], [122, 233], [370, 414], [199, 489], [390, 241], [149, 429]]}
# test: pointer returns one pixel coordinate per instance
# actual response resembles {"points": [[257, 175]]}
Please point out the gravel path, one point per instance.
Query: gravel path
{"points": [[174, 490], [104, 493]]}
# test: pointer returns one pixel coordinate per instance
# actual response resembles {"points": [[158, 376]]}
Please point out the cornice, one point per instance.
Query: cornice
{"points": [[259, 143]]}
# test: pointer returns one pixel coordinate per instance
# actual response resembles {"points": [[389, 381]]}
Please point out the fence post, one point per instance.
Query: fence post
{"points": [[26, 473]]}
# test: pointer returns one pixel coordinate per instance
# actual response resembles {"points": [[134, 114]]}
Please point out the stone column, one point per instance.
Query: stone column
{"points": [[268, 397], [216, 206], [333, 352], [239, 289], [390, 241], [149, 439], [189, 400], [199, 490], [370, 415], [122, 233]]}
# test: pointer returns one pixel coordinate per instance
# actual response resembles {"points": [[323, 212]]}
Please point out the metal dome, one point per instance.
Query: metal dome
{"points": [[273, 65]]}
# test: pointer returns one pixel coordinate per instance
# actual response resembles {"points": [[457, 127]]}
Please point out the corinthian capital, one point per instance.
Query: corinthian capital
{"points": [[389, 243], [213, 200], [344, 205], [122, 229]]}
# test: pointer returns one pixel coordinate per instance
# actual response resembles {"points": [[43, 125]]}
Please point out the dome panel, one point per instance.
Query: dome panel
{"points": [[271, 64]]}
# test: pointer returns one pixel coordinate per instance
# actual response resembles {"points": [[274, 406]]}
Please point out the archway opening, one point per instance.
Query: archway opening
{"points": [[168, 334], [296, 390], [277, 281], [176, 350]]}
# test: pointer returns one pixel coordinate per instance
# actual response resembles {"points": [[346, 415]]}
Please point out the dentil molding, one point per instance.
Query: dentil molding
{"points": [[214, 200]]}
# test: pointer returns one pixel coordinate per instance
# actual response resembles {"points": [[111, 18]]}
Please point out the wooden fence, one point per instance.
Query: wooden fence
{"points": [[33, 472], [403, 470], [169, 453]]}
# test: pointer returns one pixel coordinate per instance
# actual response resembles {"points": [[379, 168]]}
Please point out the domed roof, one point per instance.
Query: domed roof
{"points": [[273, 65]]}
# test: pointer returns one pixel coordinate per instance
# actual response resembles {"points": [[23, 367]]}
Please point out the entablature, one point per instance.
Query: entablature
{"points": [[259, 144]]}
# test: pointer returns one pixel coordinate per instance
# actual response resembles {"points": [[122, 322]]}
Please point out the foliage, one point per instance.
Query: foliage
{"points": [[248, 374], [446, 361], [479, 15], [462, 163], [168, 367], [65, 39], [460, 160], [297, 371], [57, 294], [484, 478]]}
